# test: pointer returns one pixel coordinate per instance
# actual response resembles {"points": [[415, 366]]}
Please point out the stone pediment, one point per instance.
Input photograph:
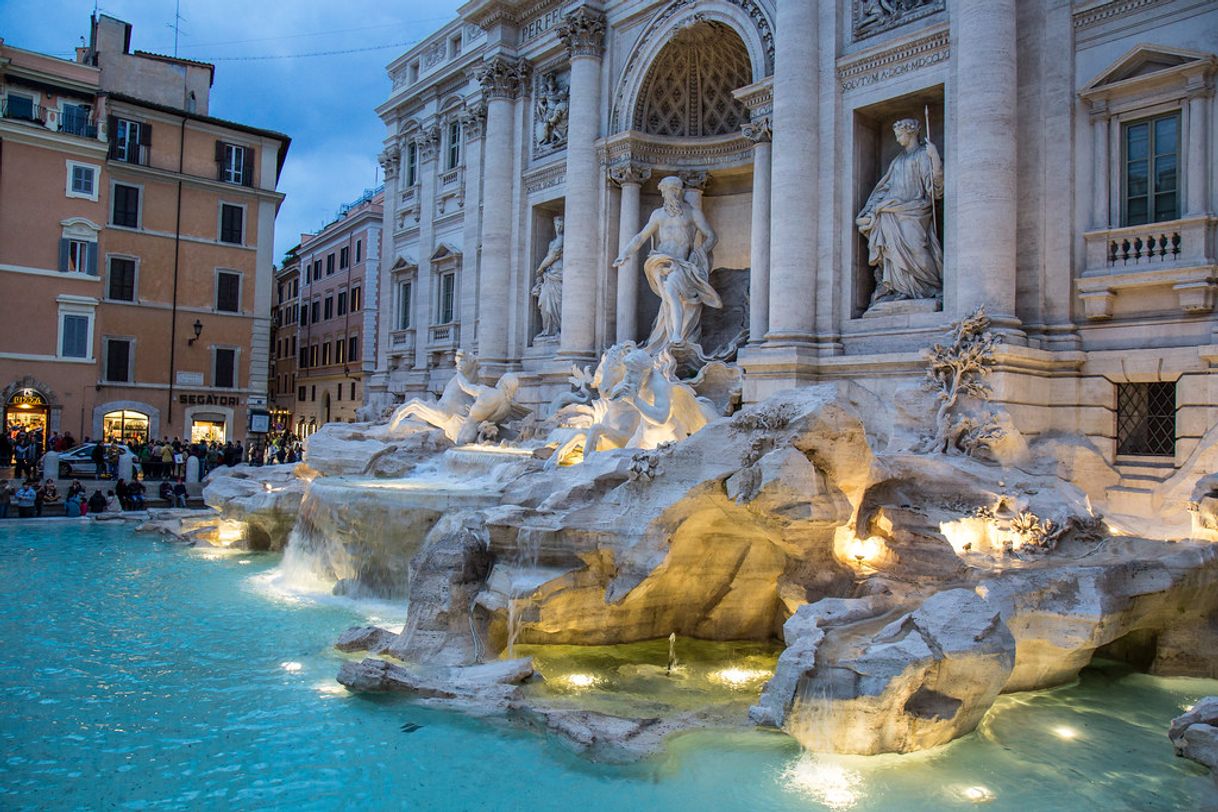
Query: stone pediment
{"points": [[445, 251], [1149, 64], [403, 263]]}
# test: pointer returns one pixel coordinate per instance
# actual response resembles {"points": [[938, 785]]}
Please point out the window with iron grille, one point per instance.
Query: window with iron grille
{"points": [[1146, 419]]}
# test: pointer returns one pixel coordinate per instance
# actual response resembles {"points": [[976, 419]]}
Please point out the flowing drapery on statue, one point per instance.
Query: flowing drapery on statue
{"points": [[677, 269], [548, 288], [898, 221]]}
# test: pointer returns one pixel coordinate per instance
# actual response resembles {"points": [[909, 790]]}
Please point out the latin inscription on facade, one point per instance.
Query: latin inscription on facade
{"points": [[540, 25]]}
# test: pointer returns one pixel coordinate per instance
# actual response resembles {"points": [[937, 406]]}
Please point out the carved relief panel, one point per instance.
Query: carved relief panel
{"points": [[873, 17]]}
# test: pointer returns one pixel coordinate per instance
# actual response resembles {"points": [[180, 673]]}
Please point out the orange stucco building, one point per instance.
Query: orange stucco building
{"points": [[136, 240]]}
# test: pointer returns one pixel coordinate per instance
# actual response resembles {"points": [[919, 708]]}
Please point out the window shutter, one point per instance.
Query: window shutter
{"points": [[247, 166], [63, 256], [219, 159], [112, 133], [145, 134], [91, 259]]}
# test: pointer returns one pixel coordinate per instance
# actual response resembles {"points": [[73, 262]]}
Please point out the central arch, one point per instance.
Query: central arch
{"points": [[687, 91]]}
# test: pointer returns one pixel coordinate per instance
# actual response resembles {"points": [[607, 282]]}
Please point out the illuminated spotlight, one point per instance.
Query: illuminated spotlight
{"points": [[244, 561], [291, 667], [329, 688], [977, 794], [738, 677], [830, 784], [1064, 732], [580, 681]]}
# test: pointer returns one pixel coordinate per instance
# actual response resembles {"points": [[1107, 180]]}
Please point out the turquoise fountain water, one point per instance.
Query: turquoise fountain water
{"points": [[141, 675]]}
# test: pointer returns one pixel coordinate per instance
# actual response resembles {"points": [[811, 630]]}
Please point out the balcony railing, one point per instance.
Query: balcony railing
{"points": [[72, 122], [1123, 264], [401, 342], [444, 335]]}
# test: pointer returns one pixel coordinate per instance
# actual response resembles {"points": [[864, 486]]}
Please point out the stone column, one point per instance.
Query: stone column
{"points": [[1100, 205], [1198, 168], [630, 178], [759, 131], [986, 194], [390, 160], [501, 80], [583, 32], [793, 240], [428, 148], [473, 122]]}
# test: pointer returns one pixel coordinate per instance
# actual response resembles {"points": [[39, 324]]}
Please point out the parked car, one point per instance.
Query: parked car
{"points": [[78, 461]]}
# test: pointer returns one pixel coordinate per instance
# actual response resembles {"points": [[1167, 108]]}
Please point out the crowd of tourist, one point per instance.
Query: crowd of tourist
{"points": [[166, 460]]}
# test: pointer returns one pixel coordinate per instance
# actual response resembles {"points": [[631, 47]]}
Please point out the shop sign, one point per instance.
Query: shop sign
{"points": [[209, 400], [189, 378], [27, 399]]}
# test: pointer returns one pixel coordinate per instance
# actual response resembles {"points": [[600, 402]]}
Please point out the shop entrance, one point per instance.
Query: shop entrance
{"points": [[125, 426], [207, 428], [27, 411]]}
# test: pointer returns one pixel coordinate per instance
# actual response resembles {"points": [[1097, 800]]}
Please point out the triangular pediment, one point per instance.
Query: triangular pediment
{"points": [[1146, 60], [403, 263], [445, 251]]}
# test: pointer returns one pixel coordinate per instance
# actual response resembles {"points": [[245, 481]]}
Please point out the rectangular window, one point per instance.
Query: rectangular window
{"points": [[454, 145], [1152, 170], [280, 293], [226, 369], [405, 300], [329, 308], [126, 210], [300, 393], [77, 119], [359, 250], [231, 223], [315, 315], [357, 299], [412, 164], [118, 360], [228, 292], [329, 264], [20, 106], [353, 390], [293, 351], [448, 284], [82, 180], [344, 257], [339, 347], [304, 315], [234, 164], [74, 341], [313, 355], [129, 137], [325, 354], [304, 357], [353, 348], [313, 392], [76, 258], [342, 303], [121, 285], [339, 387], [1146, 419]]}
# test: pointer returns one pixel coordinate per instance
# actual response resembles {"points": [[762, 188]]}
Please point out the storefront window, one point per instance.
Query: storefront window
{"points": [[125, 426], [27, 412], [207, 431]]}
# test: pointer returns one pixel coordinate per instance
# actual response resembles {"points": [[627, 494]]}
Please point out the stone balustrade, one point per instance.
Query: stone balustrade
{"points": [[444, 336]]}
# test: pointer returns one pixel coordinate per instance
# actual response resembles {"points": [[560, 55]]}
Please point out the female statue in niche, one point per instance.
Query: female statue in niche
{"points": [[898, 221], [548, 288]]}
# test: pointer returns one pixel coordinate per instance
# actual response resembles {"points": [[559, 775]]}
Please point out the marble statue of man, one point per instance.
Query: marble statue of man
{"points": [[548, 288], [677, 269], [552, 111], [898, 221]]}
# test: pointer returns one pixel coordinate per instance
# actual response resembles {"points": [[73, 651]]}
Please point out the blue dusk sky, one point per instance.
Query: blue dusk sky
{"points": [[270, 73]]}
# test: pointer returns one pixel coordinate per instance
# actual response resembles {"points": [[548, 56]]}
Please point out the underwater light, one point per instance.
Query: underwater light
{"points": [[831, 784], [291, 667], [1064, 732], [579, 680], [977, 794], [230, 531]]}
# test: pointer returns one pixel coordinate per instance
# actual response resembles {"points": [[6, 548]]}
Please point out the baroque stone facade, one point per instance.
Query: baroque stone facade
{"points": [[1047, 118]]}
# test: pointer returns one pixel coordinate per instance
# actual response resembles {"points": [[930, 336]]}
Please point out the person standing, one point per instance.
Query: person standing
{"points": [[6, 496], [98, 455]]}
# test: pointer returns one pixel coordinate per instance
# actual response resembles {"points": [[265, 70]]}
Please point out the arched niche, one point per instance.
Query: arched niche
{"points": [[749, 21]]}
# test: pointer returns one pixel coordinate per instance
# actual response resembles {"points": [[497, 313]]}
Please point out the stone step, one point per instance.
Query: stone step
{"points": [[1132, 501]]}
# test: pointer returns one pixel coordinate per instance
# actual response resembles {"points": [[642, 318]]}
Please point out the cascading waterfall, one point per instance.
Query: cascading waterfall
{"points": [[523, 562]]}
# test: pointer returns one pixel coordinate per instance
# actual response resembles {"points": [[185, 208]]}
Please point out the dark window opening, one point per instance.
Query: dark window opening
{"points": [[1146, 419]]}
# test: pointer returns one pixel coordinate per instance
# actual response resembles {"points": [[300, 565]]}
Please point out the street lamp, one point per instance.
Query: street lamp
{"points": [[198, 328]]}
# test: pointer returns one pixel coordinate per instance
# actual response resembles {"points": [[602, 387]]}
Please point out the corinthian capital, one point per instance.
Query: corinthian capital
{"points": [[759, 130], [583, 32], [503, 78], [629, 173]]}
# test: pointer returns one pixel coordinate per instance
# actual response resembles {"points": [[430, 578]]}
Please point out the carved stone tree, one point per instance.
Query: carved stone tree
{"points": [[957, 370]]}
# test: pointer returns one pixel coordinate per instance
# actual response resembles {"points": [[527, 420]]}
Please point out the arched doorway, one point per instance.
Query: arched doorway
{"points": [[27, 410]]}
